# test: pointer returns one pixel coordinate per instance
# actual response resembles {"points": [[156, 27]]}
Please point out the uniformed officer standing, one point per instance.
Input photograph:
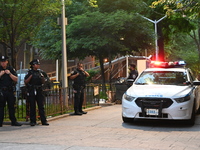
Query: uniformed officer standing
{"points": [[133, 73], [34, 81], [79, 75], [8, 79]]}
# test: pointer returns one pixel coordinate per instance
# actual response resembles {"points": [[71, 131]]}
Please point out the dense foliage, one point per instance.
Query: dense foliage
{"points": [[20, 19], [95, 28], [185, 34]]}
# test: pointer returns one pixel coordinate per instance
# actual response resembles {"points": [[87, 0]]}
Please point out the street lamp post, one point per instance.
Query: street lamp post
{"points": [[156, 36], [64, 48], [64, 55]]}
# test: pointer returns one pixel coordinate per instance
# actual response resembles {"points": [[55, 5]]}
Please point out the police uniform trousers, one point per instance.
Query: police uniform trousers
{"points": [[78, 98], [7, 96], [36, 95]]}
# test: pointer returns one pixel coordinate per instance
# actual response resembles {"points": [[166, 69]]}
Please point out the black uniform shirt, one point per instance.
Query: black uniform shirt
{"points": [[36, 77], [80, 79], [5, 80], [133, 74]]}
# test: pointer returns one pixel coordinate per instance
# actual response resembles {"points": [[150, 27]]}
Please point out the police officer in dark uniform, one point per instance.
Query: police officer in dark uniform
{"points": [[34, 81], [133, 73], [79, 75], [8, 79]]}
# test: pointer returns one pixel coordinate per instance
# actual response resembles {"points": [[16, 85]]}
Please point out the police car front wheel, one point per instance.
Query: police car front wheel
{"points": [[127, 120], [191, 121]]}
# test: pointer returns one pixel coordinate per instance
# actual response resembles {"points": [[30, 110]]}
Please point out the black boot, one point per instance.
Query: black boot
{"points": [[77, 113], [16, 124], [32, 123], [45, 123], [83, 112]]}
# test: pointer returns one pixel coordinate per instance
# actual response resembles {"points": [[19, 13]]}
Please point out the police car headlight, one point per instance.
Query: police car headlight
{"points": [[128, 97], [182, 99]]}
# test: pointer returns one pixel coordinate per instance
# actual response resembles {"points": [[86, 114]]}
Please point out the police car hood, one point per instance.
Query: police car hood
{"points": [[170, 91]]}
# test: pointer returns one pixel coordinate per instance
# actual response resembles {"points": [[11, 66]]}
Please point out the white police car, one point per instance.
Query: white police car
{"points": [[167, 92]]}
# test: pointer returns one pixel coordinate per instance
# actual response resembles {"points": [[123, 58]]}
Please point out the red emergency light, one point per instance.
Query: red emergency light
{"points": [[159, 64]]}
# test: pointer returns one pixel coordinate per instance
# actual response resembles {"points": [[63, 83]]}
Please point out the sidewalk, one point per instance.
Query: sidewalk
{"points": [[52, 118], [101, 129]]}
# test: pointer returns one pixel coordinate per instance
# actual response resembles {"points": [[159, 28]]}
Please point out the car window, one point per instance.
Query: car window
{"points": [[191, 76], [162, 77]]}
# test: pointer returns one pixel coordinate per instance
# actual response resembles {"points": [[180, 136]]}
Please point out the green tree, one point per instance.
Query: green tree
{"points": [[186, 16], [114, 5], [48, 37], [98, 34], [182, 47], [191, 7], [19, 19]]}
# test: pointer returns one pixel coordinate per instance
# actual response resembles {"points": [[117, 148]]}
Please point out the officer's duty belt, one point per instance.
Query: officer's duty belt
{"points": [[6, 88], [37, 86]]}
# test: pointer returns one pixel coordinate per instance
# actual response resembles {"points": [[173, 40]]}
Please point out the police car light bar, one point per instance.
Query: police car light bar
{"points": [[159, 64]]}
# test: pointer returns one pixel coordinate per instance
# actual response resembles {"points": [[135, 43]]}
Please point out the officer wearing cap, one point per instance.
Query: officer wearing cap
{"points": [[8, 79], [34, 81]]}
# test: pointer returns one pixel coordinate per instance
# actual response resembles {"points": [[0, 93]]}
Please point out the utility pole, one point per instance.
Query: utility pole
{"points": [[64, 47], [64, 55]]}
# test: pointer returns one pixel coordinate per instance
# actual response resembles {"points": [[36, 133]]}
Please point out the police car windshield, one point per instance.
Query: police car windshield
{"points": [[162, 78]]}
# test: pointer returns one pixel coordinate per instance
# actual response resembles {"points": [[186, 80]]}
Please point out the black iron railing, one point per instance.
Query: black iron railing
{"points": [[58, 101]]}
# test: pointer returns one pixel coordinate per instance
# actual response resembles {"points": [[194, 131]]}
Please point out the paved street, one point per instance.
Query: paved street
{"points": [[101, 129]]}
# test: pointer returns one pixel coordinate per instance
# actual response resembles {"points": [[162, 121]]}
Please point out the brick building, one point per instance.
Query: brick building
{"points": [[27, 53]]}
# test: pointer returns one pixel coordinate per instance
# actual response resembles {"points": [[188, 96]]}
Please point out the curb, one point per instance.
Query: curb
{"points": [[66, 115], [53, 118]]}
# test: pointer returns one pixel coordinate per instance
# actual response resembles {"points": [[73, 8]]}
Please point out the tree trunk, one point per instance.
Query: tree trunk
{"points": [[110, 71], [198, 43], [102, 73], [12, 59]]}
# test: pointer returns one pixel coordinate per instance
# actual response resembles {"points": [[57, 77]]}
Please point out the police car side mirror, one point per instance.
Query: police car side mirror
{"points": [[188, 83], [196, 82]]}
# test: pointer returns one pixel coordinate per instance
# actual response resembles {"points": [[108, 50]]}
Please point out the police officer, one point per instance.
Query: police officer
{"points": [[34, 81], [133, 73], [8, 79], [79, 75]]}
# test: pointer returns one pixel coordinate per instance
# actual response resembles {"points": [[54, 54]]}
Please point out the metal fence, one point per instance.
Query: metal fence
{"points": [[57, 101]]}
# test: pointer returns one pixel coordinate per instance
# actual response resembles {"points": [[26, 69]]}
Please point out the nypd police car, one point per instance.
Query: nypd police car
{"points": [[166, 91]]}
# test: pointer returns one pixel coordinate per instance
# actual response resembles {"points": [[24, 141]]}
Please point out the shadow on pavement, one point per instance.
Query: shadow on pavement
{"points": [[162, 125]]}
